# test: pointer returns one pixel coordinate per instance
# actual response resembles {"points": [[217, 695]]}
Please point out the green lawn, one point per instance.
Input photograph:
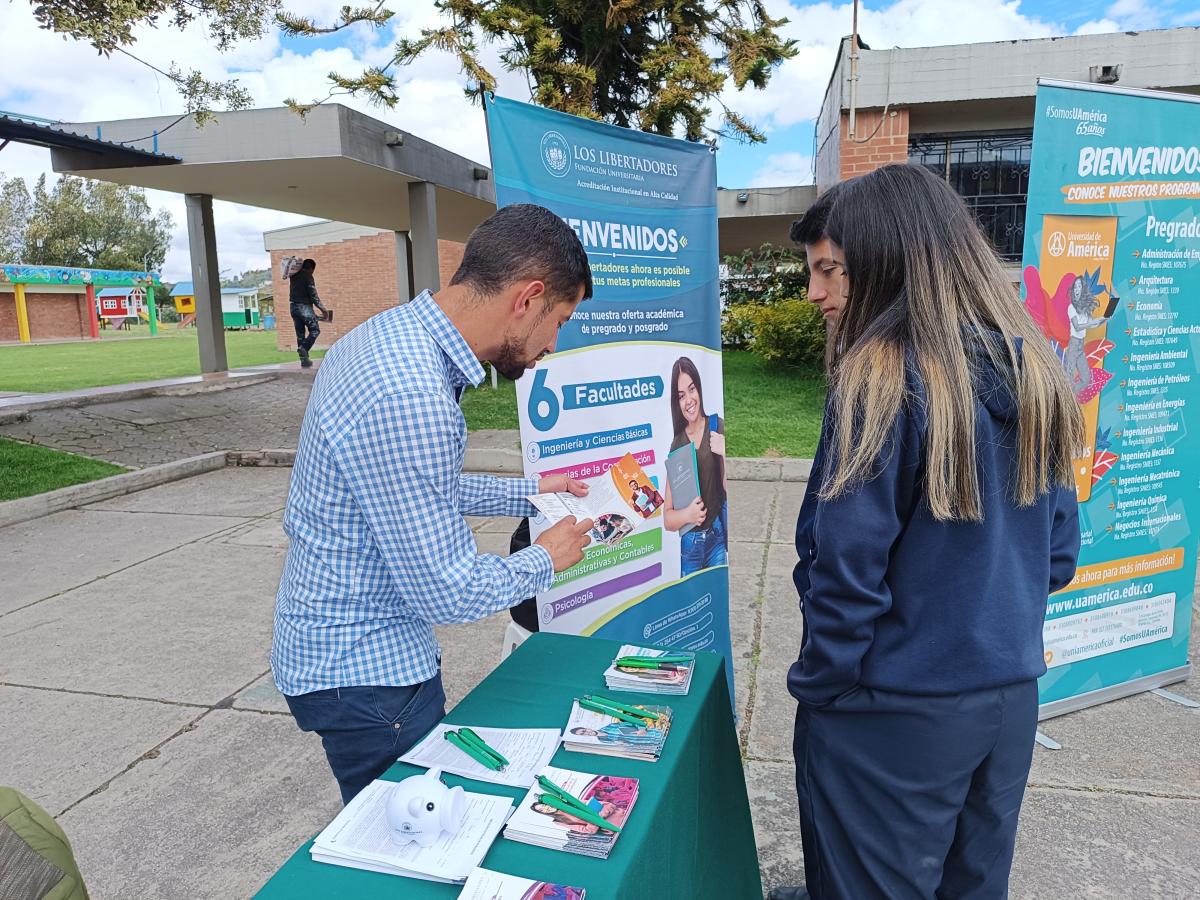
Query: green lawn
{"points": [[27, 469], [770, 410], [117, 358]]}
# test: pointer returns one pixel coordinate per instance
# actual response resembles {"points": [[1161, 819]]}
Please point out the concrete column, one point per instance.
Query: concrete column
{"points": [[404, 283], [423, 232], [206, 281]]}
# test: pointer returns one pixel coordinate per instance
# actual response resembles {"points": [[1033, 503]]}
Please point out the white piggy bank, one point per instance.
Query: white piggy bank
{"points": [[421, 808]]}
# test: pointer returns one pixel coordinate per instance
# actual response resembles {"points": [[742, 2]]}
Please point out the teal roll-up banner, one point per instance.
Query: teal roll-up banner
{"points": [[1111, 273], [637, 371]]}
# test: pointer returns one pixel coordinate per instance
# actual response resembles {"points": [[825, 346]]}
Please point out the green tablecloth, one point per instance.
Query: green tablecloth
{"points": [[690, 834]]}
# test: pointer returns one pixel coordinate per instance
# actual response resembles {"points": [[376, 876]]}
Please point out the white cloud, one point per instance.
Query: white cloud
{"points": [[797, 87], [47, 76], [784, 169], [44, 72], [1136, 14], [1098, 26]]}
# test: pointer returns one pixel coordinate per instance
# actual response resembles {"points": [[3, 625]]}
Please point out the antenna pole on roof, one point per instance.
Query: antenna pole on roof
{"points": [[853, 70]]}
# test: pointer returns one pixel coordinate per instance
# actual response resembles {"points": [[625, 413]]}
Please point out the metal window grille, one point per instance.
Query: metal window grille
{"points": [[990, 172]]}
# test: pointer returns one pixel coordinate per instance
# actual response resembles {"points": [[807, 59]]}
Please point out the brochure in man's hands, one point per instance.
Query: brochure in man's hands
{"points": [[619, 502]]}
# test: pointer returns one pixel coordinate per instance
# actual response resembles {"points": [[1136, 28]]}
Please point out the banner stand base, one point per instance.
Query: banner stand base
{"points": [[1046, 741], [1115, 692], [1176, 698]]}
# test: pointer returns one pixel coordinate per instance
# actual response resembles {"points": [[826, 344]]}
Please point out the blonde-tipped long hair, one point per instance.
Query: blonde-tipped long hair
{"points": [[927, 289]]}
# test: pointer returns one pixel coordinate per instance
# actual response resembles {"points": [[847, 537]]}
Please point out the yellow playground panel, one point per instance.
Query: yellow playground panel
{"points": [[184, 303]]}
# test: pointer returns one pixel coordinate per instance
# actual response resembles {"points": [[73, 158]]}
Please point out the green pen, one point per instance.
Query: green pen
{"points": [[472, 738], [567, 798], [562, 793], [609, 711], [552, 787], [648, 664], [666, 658], [552, 800], [478, 755], [631, 710]]}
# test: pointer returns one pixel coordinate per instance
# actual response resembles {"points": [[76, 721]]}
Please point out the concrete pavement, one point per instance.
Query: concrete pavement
{"points": [[138, 708]]}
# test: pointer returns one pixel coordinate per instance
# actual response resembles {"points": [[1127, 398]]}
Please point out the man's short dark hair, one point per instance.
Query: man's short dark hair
{"points": [[524, 241], [810, 227], [308, 265]]}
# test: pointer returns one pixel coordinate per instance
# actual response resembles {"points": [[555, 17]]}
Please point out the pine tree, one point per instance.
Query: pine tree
{"points": [[657, 65]]}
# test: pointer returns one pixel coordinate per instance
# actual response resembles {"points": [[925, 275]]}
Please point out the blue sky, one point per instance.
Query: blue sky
{"points": [[53, 78]]}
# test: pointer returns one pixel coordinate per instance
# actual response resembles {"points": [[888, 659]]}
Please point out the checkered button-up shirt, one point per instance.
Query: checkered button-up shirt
{"points": [[380, 551]]}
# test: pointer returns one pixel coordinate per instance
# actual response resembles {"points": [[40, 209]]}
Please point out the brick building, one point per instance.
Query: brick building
{"points": [[357, 274], [56, 312], [54, 303], [966, 111]]}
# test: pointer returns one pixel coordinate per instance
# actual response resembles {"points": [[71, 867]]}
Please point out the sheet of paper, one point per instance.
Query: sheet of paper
{"points": [[557, 507], [484, 884], [382, 868], [527, 750], [361, 833]]}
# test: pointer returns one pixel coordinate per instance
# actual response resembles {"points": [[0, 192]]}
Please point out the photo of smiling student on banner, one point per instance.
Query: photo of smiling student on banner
{"points": [[697, 459]]}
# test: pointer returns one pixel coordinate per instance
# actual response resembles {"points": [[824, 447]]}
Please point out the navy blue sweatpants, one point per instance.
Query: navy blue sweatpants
{"points": [[905, 797]]}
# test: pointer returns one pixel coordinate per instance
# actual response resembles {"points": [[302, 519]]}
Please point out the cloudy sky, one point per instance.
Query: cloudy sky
{"points": [[47, 76]]}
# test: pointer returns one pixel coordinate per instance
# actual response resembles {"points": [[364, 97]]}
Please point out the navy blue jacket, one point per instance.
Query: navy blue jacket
{"points": [[897, 601]]}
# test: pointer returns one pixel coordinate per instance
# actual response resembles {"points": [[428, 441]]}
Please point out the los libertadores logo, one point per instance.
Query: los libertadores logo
{"points": [[556, 154]]}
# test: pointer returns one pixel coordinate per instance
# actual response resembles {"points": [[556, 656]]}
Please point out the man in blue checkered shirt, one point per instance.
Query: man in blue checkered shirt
{"points": [[380, 550]]}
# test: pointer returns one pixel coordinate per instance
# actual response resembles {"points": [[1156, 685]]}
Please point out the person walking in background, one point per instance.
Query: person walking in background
{"points": [[940, 514], [302, 294]]}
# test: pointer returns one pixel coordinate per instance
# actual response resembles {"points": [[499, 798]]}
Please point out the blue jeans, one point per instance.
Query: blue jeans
{"points": [[364, 729], [703, 548], [308, 327]]}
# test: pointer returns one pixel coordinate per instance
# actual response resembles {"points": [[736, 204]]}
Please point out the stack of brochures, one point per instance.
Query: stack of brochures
{"points": [[606, 726], [360, 838], [650, 671], [574, 811], [485, 884]]}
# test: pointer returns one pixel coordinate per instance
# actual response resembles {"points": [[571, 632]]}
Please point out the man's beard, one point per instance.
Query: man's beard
{"points": [[509, 361]]}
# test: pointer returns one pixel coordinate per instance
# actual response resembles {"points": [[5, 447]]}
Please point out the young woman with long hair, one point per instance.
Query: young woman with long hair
{"points": [[705, 541], [940, 515]]}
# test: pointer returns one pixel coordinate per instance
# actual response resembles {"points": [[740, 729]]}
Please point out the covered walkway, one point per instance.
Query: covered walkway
{"points": [[341, 165]]}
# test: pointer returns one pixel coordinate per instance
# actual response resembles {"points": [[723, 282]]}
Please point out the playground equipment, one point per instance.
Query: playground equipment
{"points": [[184, 297], [119, 304], [127, 282], [239, 306]]}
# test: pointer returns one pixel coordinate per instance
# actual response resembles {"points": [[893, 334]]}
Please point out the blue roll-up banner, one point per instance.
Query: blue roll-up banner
{"points": [[1111, 274], [637, 370]]}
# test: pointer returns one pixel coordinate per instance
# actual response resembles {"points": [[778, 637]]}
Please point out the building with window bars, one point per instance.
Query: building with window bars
{"points": [[966, 111]]}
